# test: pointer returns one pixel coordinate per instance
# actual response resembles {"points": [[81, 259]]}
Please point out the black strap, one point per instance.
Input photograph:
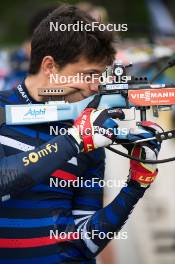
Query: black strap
{"points": [[2, 115], [95, 102]]}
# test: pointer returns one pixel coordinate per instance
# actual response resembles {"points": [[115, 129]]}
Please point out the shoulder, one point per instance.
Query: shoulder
{"points": [[6, 97]]}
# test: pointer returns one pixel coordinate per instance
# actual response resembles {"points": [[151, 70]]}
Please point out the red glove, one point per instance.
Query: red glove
{"points": [[95, 128], [144, 173]]}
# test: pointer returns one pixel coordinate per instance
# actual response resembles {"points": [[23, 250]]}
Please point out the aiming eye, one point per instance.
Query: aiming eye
{"points": [[118, 71]]}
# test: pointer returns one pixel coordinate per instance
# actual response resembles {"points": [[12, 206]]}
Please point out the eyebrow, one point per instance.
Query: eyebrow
{"points": [[92, 71]]}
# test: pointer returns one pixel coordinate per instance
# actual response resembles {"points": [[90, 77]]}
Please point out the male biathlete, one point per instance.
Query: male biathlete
{"points": [[32, 209]]}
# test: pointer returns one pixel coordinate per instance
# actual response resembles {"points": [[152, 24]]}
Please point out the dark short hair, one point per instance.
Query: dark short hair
{"points": [[67, 46]]}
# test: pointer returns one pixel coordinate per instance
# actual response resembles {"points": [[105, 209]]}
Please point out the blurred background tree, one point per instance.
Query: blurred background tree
{"points": [[15, 16]]}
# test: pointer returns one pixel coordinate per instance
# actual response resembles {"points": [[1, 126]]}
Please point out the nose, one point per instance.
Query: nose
{"points": [[94, 87]]}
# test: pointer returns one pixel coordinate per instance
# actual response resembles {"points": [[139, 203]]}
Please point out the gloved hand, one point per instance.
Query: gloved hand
{"points": [[142, 173], [96, 128]]}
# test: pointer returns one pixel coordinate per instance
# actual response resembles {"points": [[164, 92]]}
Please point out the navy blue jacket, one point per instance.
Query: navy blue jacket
{"points": [[42, 219]]}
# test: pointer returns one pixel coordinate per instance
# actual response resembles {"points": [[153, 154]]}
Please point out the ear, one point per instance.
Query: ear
{"points": [[48, 65]]}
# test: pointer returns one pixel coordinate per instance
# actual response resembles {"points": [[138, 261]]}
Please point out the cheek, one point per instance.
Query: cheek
{"points": [[51, 81], [74, 97], [78, 96], [86, 92]]}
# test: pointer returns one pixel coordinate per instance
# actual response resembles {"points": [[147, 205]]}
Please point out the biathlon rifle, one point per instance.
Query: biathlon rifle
{"points": [[122, 91]]}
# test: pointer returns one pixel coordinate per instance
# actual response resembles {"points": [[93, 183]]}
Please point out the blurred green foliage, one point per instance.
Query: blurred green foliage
{"points": [[15, 16]]}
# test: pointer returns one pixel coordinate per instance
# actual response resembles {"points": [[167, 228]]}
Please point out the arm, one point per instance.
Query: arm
{"points": [[109, 220], [25, 169]]}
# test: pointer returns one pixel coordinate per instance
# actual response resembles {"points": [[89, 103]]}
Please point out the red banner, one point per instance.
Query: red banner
{"points": [[148, 97]]}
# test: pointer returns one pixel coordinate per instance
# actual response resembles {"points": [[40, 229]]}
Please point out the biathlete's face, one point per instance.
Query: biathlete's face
{"points": [[82, 76]]}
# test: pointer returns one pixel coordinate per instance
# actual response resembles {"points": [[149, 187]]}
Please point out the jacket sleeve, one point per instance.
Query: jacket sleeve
{"points": [[26, 169], [96, 225]]}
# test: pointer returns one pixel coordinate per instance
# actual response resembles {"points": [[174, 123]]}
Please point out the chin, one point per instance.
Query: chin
{"points": [[75, 98]]}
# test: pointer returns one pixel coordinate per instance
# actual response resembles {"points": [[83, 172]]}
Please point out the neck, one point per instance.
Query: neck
{"points": [[33, 82]]}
